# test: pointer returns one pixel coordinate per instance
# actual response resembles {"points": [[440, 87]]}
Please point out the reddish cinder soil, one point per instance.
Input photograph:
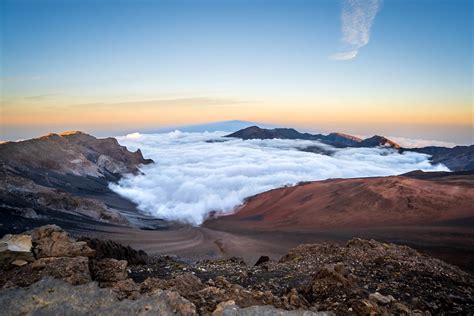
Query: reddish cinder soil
{"points": [[363, 202]]}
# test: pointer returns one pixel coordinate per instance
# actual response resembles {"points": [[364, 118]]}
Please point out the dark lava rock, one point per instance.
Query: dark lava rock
{"points": [[262, 260], [110, 249], [72, 270], [109, 270]]}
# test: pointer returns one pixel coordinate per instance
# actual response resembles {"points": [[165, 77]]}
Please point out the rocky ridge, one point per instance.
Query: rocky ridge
{"points": [[73, 153], [64, 178], [339, 140], [458, 158], [364, 277]]}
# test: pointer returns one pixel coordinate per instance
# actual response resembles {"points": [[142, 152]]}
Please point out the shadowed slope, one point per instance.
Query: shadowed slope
{"points": [[63, 178]]}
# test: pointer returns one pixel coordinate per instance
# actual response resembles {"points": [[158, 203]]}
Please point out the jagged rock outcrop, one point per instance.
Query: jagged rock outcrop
{"points": [[52, 252], [74, 153], [110, 249], [52, 241]]}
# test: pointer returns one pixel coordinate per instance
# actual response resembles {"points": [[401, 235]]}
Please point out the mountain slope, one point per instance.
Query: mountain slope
{"points": [[376, 141], [363, 202], [459, 158], [73, 153], [64, 178]]}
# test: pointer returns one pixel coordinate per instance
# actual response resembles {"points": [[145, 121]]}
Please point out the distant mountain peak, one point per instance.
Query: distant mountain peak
{"points": [[344, 135], [378, 140], [67, 133], [255, 132]]}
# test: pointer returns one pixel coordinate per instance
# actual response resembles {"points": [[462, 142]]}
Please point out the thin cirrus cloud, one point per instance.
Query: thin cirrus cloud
{"points": [[197, 173], [191, 102], [357, 19]]}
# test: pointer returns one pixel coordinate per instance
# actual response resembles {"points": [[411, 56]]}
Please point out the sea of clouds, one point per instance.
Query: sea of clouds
{"points": [[198, 173]]}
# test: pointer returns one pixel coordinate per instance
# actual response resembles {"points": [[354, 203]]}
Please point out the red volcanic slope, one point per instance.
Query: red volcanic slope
{"points": [[363, 202]]}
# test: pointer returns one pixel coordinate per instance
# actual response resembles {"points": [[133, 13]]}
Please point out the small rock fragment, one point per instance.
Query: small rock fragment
{"points": [[109, 270], [19, 262], [381, 299], [15, 247]]}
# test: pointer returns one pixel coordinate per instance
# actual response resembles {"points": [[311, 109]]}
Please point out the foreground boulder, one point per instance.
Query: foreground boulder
{"points": [[52, 241], [55, 297], [50, 251], [229, 308], [16, 250], [234, 310]]}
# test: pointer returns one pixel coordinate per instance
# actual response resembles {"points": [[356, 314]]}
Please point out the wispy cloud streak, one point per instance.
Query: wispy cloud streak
{"points": [[357, 19]]}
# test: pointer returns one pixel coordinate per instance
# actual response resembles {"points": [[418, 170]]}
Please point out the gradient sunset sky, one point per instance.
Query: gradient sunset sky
{"points": [[389, 67]]}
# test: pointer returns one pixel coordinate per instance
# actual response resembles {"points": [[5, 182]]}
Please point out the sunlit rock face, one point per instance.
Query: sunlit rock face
{"points": [[73, 153], [63, 176]]}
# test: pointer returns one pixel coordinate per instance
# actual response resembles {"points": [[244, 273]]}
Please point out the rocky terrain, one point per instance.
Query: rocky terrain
{"points": [[63, 178], [47, 271], [459, 158]]}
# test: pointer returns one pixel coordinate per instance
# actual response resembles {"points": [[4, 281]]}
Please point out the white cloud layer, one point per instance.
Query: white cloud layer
{"points": [[357, 19], [193, 177], [417, 142]]}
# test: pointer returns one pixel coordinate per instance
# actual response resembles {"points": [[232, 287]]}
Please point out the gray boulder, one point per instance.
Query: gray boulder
{"points": [[55, 297], [267, 310]]}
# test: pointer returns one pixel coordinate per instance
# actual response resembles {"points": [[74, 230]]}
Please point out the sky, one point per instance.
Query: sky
{"points": [[402, 68]]}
